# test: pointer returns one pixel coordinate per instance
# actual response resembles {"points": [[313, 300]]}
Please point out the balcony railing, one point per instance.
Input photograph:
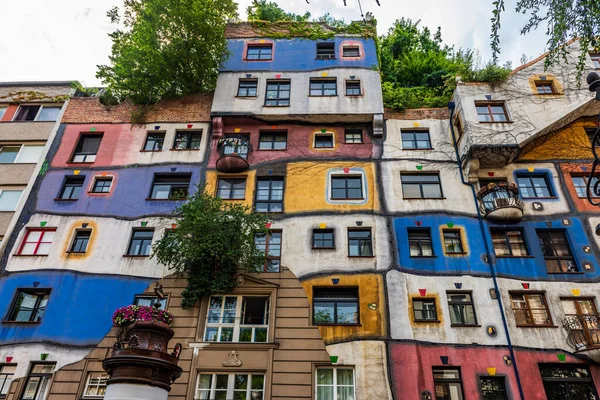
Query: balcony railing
{"points": [[501, 202], [583, 331], [234, 150]]}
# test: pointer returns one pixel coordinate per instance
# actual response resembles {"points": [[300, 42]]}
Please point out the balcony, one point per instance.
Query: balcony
{"points": [[234, 151], [584, 334], [501, 203]]}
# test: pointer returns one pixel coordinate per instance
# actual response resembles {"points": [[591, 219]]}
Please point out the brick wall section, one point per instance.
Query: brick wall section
{"points": [[37, 94], [418, 114], [184, 109]]}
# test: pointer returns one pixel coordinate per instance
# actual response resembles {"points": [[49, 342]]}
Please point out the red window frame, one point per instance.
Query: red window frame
{"points": [[38, 242]]}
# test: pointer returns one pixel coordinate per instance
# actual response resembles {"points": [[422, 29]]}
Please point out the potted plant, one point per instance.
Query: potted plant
{"points": [[128, 315]]}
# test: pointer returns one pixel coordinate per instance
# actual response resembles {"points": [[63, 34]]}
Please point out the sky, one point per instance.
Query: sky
{"points": [[67, 39]]}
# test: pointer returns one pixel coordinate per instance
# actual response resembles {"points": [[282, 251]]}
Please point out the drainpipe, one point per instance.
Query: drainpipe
{"points": [[491, 260]]}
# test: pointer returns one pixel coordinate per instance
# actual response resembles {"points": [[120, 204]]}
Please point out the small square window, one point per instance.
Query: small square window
{"points": [[335, 305], [532, 186], [447, 381], [81, 241], [278, 94], [170, 186], [544, 87], [141, 242], [453, 241], [509, 243], [580, 183], [187, 140], [557, 251], [324, 141], [102, 185], [493, 388], [346, 187], [415, 139], [353, 136], [37, 242], [150, 301], [48, 113], [8, 154], [595, 57], [231, 188], [248, 88], [419, 241], [461, 308], [350, 51], [262, 52], [72, 187], [323, 239], [87, 149], [273, 140], [325, 51], [353, 88], [29, 305], [491, 111], [424, 310], [360, 243], [154, 141], [95, 386], [323, 87]]}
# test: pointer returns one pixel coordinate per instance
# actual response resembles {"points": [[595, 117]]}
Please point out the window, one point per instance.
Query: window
{"points": [[335, 306], [37, 242], [269, 195], [350, 51], [170, 186], [230, 386], [27, 113], [2, 111], [346, 187], [452, 241], [102, 185], [556, 250], [595, 60], [7, 372], [492, 388], [530, 309], [72, 187], [419, 242], [95, 386], [38, 381], [459, 127], [421, 186], [150, 301], [415, 139], [237, 319], [509, 243], [335, 383], [580, 183], [491, 112], [323, 239], [29, 305], [231, 188], [447, 382], [140, 243], [353, 88], [154, 141], [9, 199], [259, 52], [273, 141], [353, 136], [20, 154], [87, 148], [360, 243], [533, 186], [424, 310], [48, 113], [325, 51], [580, 315], [81, 241], [270, 245], [247, 88], [323, 141], [462, 310], [568, 382], [590, 132], [323, 87], [544, 87], [235, 144], [187, 140], [278, 94]]}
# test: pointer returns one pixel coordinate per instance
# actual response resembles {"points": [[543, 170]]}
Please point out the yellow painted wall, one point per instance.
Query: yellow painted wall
{"points": [[570, 143], [370, 291], [306, 187], [213, 176]]}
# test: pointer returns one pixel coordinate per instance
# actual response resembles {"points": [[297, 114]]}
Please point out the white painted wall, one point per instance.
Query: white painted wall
{"points": [[441, 140], [128, 391]]}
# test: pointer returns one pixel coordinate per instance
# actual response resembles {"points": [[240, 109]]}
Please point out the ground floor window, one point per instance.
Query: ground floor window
{"points": [[448, 385], [38, 381], [335, 383], [568, 382], [230, 386], [493, 388]]}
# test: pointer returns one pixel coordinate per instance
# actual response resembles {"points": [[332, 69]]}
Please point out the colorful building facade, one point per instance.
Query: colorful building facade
{"points": [[424, 254]]}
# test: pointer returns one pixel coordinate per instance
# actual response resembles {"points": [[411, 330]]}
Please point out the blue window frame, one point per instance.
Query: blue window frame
{"points": [[533, 186]]}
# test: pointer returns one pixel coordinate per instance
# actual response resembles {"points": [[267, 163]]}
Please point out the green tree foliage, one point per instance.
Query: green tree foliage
{"points": [[564, 21], [166, 48], [263, 10], [212, 241]]}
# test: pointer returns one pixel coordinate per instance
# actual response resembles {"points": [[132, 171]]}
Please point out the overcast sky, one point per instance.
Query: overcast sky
{"points": [[66, 39]]}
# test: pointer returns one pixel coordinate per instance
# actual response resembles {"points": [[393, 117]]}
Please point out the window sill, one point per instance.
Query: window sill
{"points": [[348, 199], [361, 256], [276, 106], [133, 256], [150, 151], [259, 149], [539, 198], [98, 193], [434, 321], [323, 248], [354, 95], [511, 257], [175, 199], [332, 324], [30, 255], [496, 122], [464, 326], [80, 163], [328, 95], [423, 256], [427, 148], [238, 345], [354, 142], [21, 322], [247, 97], [76, 252], [269, 60], [537, 326], [242, 199], [184, 149], [566, 273], [423, 198], [456, 254], [66, 200], [325, 59]]}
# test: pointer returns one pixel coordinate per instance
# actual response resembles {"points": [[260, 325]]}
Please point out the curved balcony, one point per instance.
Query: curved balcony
{"points": [[584, 334], [234, 151], [501, 203]]}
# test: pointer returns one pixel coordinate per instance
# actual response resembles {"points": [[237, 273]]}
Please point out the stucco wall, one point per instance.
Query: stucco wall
{"points": [[439, 134], [15, 174], [25, 131]]}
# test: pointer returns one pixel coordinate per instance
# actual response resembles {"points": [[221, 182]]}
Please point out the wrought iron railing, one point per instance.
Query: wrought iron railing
{"points": [[494, 197], [583, 331], [238, 145]]}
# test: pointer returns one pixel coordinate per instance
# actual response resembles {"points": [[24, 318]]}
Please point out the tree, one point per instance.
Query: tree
{"points": [[261, 10], [167, 48], [212, 240], [564, 21]]}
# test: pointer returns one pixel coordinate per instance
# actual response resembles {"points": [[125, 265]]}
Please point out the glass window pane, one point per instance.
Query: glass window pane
{"points": [[48, 114], [8, 154], [9, 199]]}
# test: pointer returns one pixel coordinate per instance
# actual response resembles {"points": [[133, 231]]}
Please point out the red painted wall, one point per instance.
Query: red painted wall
{"points": [[567, 169], [10, 112], [411, 369]]}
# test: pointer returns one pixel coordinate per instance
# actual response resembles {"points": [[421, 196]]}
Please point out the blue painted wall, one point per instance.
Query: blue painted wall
{"points": [[297, 55], [131, 187], [79, 310], [472, 263]]}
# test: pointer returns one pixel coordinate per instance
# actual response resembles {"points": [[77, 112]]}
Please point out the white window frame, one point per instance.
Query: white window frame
{"points": [[351, 172], [59, 106], [237, 324], [101, 376], [335, 385], [22, 146], [18, 201], [319, 133], [230, 385]]}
